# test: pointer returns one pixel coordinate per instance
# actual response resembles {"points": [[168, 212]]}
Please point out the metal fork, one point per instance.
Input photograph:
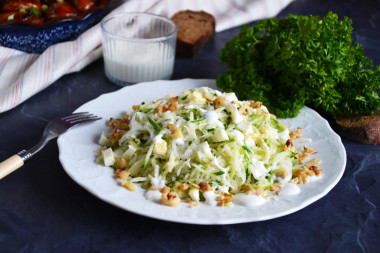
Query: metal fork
{"points": [[53, 129]]}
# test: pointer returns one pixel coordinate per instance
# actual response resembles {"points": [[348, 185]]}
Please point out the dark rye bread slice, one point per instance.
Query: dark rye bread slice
{"points": [[363, 129], [194, 29]]}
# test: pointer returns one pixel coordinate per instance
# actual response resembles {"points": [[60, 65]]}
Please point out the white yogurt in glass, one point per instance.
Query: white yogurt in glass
{"points": [[138, 47], [138, 63]]}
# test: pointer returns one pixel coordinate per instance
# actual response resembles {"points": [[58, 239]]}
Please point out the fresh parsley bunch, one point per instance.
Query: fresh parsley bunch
{"points": [[301, 60]]}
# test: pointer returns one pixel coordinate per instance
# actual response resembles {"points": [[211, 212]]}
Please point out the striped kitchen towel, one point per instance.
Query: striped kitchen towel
{"points": [[22, 75]]}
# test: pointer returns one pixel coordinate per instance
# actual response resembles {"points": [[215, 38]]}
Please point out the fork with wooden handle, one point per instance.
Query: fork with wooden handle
{"points": [[53, 129]]}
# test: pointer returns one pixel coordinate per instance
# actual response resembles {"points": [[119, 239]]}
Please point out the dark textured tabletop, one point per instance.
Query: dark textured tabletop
{"points": [[43, 210]]}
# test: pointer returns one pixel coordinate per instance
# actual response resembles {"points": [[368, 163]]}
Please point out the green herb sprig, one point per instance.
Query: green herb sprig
{"points": [[301, 60]]}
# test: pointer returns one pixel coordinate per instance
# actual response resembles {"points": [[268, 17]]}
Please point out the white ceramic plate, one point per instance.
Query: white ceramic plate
{"points": [[77, 155]]}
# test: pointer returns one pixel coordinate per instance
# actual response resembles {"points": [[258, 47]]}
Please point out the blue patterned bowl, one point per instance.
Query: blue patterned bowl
{"points": [[35, 39]]}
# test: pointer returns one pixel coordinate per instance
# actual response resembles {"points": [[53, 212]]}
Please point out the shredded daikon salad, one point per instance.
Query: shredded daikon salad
{"points": [[206, 146]]}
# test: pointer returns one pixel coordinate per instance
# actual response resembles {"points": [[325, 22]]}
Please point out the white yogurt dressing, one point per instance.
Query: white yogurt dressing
{"points": [[212, 119], [313, 178], [290, 189], [157, 180], [223, 188], [248, 200], [153, 195], [210, 197]]}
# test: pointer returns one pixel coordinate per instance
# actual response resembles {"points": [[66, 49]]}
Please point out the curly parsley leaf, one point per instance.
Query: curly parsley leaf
{"points": [[301, 60]]}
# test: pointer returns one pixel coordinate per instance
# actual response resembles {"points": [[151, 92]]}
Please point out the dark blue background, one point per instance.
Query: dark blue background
{"points": [[43, 210]]}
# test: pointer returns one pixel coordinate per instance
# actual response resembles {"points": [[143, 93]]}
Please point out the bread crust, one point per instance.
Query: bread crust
{"points": [[364, 129], [195, 28]]}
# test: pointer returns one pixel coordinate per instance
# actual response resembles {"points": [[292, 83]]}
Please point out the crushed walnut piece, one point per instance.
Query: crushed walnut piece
{"points": [[245, 188], [121, 163], [224, 199], [121, 174], [171, 106], [99, 151], [308, 149], [219, 102], [208, 97], [317, 170], [310, 169], [245, 109], [301, 175], [256, 104], [129, 185], [165, 190], [204, 186], [115, 136], [276, 188], [289, 145], [315, 161], [119, 126], [302, 157], [298, 133], [195, 204], [175, 132], [281, 174], [183, 187], [249, 190], [170, 199], [294, 180], [259, 191]]}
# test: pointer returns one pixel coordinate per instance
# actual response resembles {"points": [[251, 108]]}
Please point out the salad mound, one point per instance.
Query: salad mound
{"points": [[205, 146]]}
